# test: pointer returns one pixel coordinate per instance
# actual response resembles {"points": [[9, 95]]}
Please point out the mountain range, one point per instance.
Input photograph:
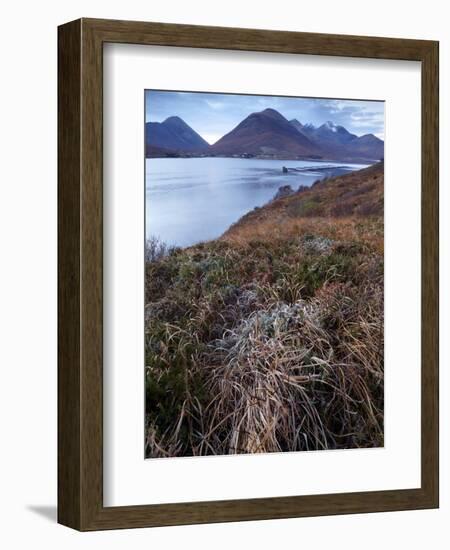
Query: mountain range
{"points": [[266, 134]]}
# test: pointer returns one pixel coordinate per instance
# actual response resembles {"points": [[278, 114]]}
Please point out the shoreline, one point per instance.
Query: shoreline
{"points": [[349, 160], [289, 187]]}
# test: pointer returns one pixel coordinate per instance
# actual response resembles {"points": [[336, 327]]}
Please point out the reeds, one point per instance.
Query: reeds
{"points": [[267, 341]]}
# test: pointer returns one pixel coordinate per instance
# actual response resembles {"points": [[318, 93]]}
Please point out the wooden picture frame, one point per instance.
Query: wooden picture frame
{"points": [[80, 271]]}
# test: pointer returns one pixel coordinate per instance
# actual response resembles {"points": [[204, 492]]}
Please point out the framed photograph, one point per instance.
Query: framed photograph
{"points": [[248, 274]]}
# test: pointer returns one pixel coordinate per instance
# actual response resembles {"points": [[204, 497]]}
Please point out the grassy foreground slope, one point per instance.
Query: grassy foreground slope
{"points": [[271, 337]]}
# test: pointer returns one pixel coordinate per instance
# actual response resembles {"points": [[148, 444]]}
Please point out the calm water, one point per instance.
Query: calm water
{"points": [[197, 199]]}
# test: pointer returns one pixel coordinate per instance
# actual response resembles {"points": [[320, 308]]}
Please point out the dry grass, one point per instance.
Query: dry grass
{"points": [[291, 358], [348, 229], [284, 384], [269, 339]]}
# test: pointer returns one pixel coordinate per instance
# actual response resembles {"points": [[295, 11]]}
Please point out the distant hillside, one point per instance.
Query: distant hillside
{"points": [[172, 135], [297, 125], [265, 133], [359, 193], [338, 143], [328, 134], [367, 146]]}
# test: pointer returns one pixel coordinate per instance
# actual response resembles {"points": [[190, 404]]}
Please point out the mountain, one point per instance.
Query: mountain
{"points": [[297, 125], [367, 146], [328, 134], [173, 135], [333, 134], [338, 143], [266, 133]]}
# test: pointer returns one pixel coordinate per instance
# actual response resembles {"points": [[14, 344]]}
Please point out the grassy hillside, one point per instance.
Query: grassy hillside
{"points": [[358, 194], [271, 338]]}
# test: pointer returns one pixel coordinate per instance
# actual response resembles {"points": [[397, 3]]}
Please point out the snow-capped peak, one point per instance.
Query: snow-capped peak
{"points": [[331, 126]]}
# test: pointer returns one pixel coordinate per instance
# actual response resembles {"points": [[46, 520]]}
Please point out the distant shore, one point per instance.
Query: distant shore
{"points": [[351, 160]]}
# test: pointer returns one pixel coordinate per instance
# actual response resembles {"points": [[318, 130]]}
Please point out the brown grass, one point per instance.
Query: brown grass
{"points": [[348, 229], [269, 339]]}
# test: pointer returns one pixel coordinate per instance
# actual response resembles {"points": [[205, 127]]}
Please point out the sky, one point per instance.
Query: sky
{"points": [[214, 115]]}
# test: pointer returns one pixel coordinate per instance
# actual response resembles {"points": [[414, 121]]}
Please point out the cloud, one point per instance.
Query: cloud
{"points": [[337, 106], [216, 105], [366, 118]]}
